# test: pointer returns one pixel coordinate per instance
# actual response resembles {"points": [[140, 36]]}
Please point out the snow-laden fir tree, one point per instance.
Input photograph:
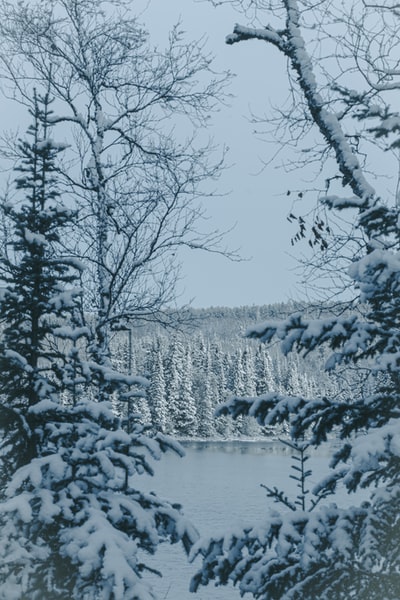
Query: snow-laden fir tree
{"points": [[221, 363], [173, 370], [333, 552], [264, 371], [244, 383], [238, 374], [199, 364], [249, 371], [73, 523], [249, 426], [186, 414], [207, 396], [156, 392], [37, 294]]}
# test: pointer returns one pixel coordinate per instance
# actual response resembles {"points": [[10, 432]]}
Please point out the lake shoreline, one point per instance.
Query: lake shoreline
{"points": [[254, 445]]}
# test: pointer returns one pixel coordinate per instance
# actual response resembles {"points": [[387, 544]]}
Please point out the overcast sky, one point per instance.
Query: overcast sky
{"points": [[256, 203]]}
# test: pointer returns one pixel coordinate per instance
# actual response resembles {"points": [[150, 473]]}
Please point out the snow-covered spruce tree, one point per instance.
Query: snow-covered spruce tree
{"points": [[35, 294], [206, 395], [333, 552], [173, 367], [220, 364], [136, 185], [243, 381], [72, 522], [156, 393], [186, 424], [264, 371], [178, 376], [249, 427]]}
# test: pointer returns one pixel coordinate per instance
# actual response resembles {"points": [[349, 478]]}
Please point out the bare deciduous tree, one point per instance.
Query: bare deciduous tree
{"points": [[131, 113], [354, 70]]}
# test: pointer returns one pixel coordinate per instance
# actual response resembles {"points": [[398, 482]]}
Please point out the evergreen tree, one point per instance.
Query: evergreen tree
{"points": [[156, 392], [199, 365], [220, 364], [38, 292], [73, 523], [249, 427], [249, 371], [173, 370], [204, 404], [244, 384], [264, 376], [293, 380], [186, 414], [238, 374]]}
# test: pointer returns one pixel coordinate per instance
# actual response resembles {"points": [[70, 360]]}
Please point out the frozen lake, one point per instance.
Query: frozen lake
{"points": [[218, 484]]}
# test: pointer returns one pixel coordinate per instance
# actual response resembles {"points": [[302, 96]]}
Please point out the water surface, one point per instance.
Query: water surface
{"points": [[218, 484]]}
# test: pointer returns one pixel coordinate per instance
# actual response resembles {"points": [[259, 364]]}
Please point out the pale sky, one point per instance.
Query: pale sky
{"points": [[256, 203]]}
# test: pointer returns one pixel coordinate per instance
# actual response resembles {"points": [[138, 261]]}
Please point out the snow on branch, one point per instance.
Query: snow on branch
{"points": [[348, 333], [268, 34], [259, 558], [291, 42], [78, 496]]}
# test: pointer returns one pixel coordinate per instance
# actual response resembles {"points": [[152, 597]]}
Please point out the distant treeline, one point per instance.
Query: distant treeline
{"points": [[191, 373]]}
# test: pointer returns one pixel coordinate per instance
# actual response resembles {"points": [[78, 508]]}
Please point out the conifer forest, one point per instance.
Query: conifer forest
{"points": [[190, 374]]}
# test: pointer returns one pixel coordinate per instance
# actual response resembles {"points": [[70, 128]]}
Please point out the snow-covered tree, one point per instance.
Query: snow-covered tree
{"points": [[249, 427], [220, 363], [185, 407], [73, 523], [173, 370], [135, 183], [178, 371], [206, 400], [249, 371], [238, 374], [244, 383], [156, 394], [264, 371], [200, 351], [39, 289], [333, 552]]}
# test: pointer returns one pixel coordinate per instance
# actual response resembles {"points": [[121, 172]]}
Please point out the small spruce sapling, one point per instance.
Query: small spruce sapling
{"points": [[301, 474]]}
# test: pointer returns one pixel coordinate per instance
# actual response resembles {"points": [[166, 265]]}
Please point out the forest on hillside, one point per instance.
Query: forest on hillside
{"points": [[194, 371]]}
